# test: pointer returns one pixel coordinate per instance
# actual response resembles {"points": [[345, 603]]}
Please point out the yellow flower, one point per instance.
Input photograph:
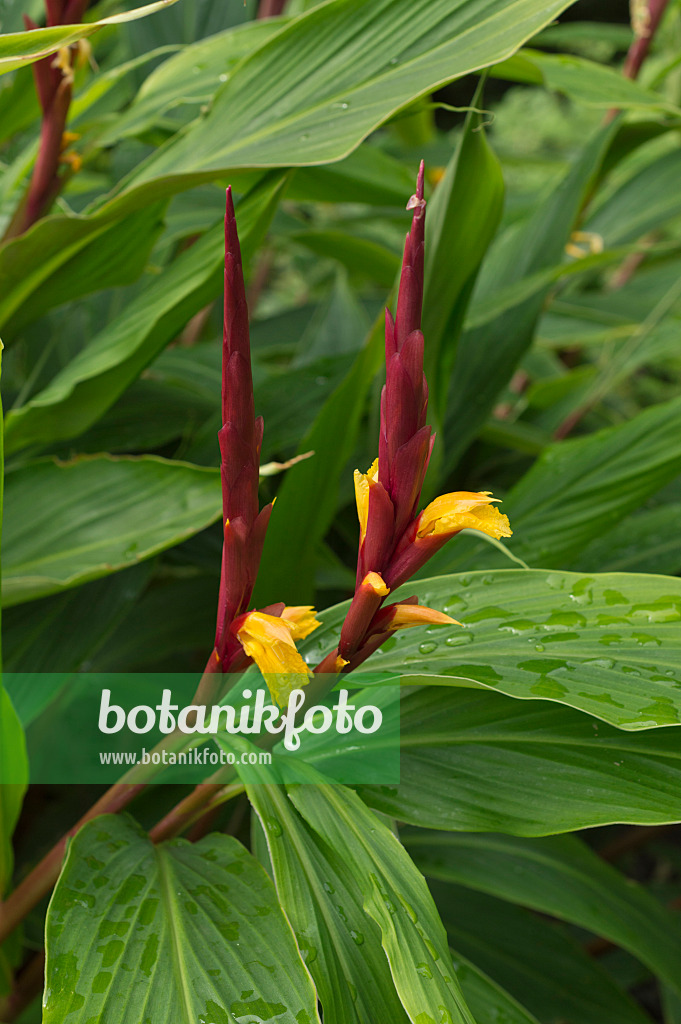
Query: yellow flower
{"points": [[463, 510], [362, 486], [268, 640], [302, 620]]}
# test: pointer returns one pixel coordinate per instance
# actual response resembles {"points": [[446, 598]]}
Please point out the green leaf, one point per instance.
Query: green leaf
{"points": [[18, 48], [91, 382], [13, 781], [489, 1002], [487, 355], [461, 221], [39, 636], [479, 761], [648, 541], [179, 932], [578, 490], [322, 898], [395, 897], [113, 254], [307, 498], [647, 200], [335, 74], [560, 876], [606, 644], [67, 523], [191, 76], [538, 963], [582, 80], [13, 759]]}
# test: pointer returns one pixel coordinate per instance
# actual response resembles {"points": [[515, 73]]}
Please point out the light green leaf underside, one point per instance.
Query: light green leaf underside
{"points": [[179, 933]]}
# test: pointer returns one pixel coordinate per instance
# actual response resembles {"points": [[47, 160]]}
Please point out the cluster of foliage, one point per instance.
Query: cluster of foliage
{"points": [[538, 737]]}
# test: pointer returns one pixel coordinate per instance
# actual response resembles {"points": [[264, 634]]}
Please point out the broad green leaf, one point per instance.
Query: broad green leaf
{"points": [[562, 877], [546, 970], [178, 613], [646, 201], [91, 382], [360, 256], [487, 355], [395, 897], [178, 933], [40, 636], [115, 254], [335, 74], [582, 80], [67, 523], [18, 48], [648, 541], [322, 898], [606, 644], [367, 175], [489, 1003], [579, 489], [191, 76], [461, 221], [484, 762], [306, 500]]}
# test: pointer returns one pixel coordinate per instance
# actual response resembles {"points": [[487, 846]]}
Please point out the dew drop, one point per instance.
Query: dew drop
{"points": [[427, 648]]}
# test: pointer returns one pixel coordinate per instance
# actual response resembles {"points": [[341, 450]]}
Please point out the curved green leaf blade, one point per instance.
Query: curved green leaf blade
{"points": [[473, 760], [18, 48], [311, 94], [538, 963], [606, 644], [322, 899], [462, 219], [67, 523], [177, 933], [582, 80], [560, 876], [578, 490], [90, 383], [395, 897], [489, 1002]]}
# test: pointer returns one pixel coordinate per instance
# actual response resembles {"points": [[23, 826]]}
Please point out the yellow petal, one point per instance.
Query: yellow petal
{"points": [[268, 640], [463, 510], [362, 496], [406, 615], [302, 620], [374, 581]]}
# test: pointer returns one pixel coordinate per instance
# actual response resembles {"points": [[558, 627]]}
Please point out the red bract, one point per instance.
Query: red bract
{"points": [[240, 443]]}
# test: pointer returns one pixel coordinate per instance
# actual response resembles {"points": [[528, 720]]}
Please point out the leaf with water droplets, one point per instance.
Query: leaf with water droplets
{"points": [[607, 644], [191, 932]]}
